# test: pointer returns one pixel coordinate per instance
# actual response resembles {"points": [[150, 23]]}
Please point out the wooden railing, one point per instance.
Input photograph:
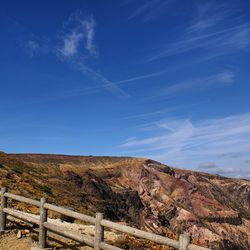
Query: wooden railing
{"points": [[97, 242]]}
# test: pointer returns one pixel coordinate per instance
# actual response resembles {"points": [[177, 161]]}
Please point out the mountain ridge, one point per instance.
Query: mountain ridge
{"points": [[214, 209]]}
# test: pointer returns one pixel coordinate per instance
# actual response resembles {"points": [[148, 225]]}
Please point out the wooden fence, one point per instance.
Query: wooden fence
{"points": [[97, 242]]}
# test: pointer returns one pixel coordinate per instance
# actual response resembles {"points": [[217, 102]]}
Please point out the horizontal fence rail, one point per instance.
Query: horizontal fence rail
{"points": [[69, 234], [22, 199], [141, 234], [70, 213], [19, 215], [97, 242]]}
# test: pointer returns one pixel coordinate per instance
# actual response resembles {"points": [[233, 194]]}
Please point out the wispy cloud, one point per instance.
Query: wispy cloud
{"points": [[197, 84], [212, 31], [107, 84], [148, 114], [207, 16], [185, 143], [101, 83], [32, 47], [71, 44], [225, 41], [234, 172], [142, 77], [78, 33], [149, 10], [76, 30], [75, 45], [89, 25], [157, 113]]}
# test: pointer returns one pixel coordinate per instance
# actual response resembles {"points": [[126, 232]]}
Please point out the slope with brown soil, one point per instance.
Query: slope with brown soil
{"points": [[215, 210]]}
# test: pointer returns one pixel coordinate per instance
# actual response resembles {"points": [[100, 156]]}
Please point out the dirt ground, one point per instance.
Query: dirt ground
{"points": [[9, 241]]}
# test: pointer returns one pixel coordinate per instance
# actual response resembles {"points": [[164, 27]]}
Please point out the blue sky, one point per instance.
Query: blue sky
{"points": [[167, 80]]}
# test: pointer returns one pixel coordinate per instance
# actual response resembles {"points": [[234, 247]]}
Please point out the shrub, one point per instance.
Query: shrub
{"points": [[17, 170], [2, 153], [46, 189]]}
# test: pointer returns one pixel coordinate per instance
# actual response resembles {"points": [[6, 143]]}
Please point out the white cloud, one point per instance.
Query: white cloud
{"points": [[78, 35], [149, 10], [214, 30], [207, 165], [32, 47], [234, 172], [71, 43], [188, 144], [106, 84], [226, 77], [150, 114], [89, 25], [142, 77], [77, 38], [197, 84], [207, 16], [224, 41]]}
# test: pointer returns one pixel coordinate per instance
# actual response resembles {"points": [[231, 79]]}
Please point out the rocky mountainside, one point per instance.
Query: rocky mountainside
{"points": [[215, 210]]}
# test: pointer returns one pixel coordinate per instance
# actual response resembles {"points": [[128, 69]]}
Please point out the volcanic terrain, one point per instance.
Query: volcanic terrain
{"points": [[214, 210]]}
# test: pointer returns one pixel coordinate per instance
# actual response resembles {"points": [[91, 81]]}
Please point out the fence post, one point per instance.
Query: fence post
{"points": [[42, 229], [184, 241], [2, 213], [99, 231]]}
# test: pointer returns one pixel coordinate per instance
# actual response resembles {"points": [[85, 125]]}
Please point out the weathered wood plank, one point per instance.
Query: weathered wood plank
{"points": [[99, 231], [70, 213], [42, 229], [195, 247], [20, 215], [141, 234], [22, 199], [2, 213], [70, 234], [106, 246], [184, 241]]}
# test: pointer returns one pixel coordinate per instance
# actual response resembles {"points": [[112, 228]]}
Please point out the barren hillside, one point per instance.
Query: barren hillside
{"points": [[215, 210]]}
